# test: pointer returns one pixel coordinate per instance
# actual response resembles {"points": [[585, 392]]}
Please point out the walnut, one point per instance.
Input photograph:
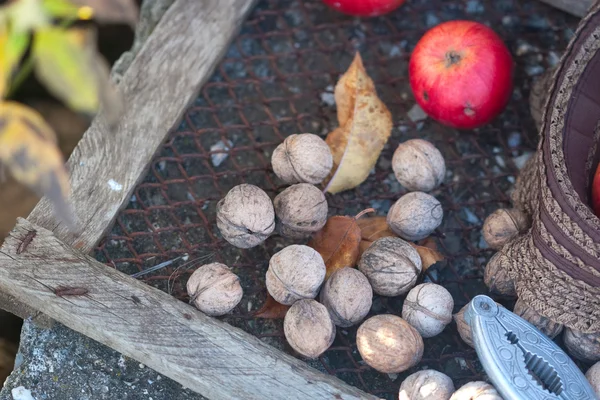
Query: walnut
{"points": [[418, 165], [593, 376], [478, 390], [583, 346], [503, 225], [214, 289], [415, 215], [301, 210], [348, 296], [391, 265], [302, 158], [308, 328], [428, 307], [496, 277], [464, 330], [389, 344], [427, 384], [296, 272], [545, 325], [245, 216]]}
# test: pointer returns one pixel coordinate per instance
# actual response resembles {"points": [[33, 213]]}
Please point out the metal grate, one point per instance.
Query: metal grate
{"points": [[277, 79]]}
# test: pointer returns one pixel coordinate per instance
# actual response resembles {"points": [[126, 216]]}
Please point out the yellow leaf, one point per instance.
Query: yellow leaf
{"points": [[365, 127], [64, 63], [66, 9], [27, 15], [428, 252], [28, 148], [12, 46]]}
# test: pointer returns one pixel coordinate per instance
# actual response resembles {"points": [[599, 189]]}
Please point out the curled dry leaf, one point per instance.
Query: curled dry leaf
{"points": [[339, 241], [372, 228], [271, 309], [365, 126], [429, 253], [28, 148]]}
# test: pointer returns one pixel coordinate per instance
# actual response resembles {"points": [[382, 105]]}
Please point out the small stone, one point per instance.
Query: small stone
{"points": [[522, 159], [533, 70], [478, 390], [514, 140], [593, 376], [302, 158], [415, 216], [416, 114], [553, 58], [389, 344], [214, 290], [428, 308], [427, 384], [418, 165], [348, 296], [296, 272], [308, 328], [582, 346], [300, 210], [222, 150]]}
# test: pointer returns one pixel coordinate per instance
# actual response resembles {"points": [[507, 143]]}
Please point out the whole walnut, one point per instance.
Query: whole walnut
{"points": [[593, 376], [302, 158], [391, 265], [545, 325], [496, 277], [389, 344], [583, 346], [308, 328], [478, 390], [427, 384], [245, 216], [428, 307], [214, 289], [348, 296], [295, 272], [464, 330], [300, 210], [418, 165], [503, 225], [415, 216]]}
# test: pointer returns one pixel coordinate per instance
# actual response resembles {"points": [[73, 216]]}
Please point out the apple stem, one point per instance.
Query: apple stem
{"points": [[452, 57]]}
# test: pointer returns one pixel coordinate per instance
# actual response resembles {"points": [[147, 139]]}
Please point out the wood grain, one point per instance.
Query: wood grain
{"points": [[577, 8], [163, 79], [166, 75], [208, 356]]}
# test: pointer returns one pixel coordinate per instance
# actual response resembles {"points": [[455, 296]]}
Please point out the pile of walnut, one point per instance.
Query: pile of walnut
{"points": [[320, 302]]}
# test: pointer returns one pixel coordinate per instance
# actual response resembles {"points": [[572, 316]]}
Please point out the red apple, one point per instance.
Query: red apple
{"points": [[461, 74], [596, 192], [364, 8]]}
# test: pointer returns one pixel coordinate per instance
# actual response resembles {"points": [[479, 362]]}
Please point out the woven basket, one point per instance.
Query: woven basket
{"points": [[555, 266]]}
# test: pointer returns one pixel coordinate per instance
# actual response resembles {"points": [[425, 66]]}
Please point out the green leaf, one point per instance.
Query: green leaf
{"points": [[66, 9], [12, 46], [27, 15], [64, 63]]}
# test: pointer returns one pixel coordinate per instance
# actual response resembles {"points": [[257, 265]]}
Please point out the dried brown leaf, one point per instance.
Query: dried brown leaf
{"points": [[372, 228], [271, 309], [429, 253], [339, 241], [365, 126]]}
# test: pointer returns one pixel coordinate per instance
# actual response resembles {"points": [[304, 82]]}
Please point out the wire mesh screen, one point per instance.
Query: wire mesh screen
{"points": [[277, 79]]}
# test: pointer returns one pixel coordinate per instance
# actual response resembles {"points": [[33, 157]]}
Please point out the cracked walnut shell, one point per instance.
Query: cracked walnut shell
{"points": [[214, 289], [308, 328], [427, 384], [389, 344], [296, 272], [348, 296], [418, 165], [428, 307], [478, 390], [415, 216], [300, 210], [245, 216], [301, 158]]}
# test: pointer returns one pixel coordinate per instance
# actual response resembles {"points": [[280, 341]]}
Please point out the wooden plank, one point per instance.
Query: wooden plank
{"points": [[144, 323], [166, 75], [578, 8]]}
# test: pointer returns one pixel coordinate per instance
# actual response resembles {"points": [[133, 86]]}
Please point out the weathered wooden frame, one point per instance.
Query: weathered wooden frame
{"points": [[45, 272]]}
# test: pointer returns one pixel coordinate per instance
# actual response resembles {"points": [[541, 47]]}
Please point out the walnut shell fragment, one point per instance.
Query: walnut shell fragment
{"points": [[214, 289], [308, 328], [583, 346], [418, 165], [478, 390], [545, 325], [428, 308], [427, 384], [496, 277], [503, 225], [348, 296], [391, 265], [301, 158], [300, 210], [296, 272], [245, 216], [415, 216], [389, 344]]}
